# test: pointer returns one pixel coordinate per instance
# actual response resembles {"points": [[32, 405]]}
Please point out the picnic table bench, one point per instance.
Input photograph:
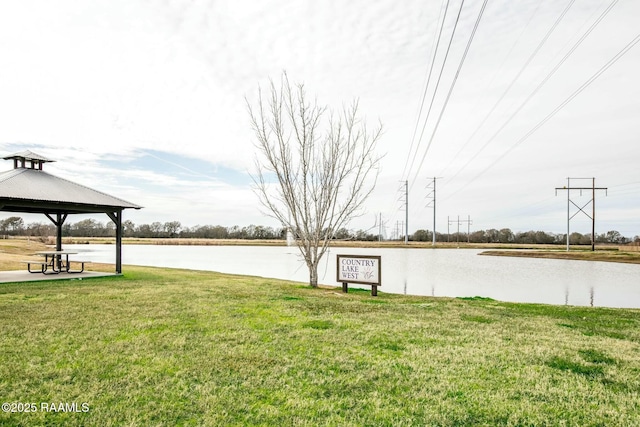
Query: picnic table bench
{"points": [[77, 261], [43, 266]]}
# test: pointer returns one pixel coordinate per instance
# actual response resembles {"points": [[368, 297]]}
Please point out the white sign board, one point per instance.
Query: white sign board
{"points": [[362, 269]]}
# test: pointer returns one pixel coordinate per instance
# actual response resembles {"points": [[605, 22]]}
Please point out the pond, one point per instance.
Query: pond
{"points": [[432, 272]]}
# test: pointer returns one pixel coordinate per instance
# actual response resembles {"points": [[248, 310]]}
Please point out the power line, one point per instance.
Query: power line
{"points": [[504, 60], [513, 81], [540, 85], [568, 100], [628, 183], [466, 51], [558, 108], [455, 79], [426, 87], [435, 91]]}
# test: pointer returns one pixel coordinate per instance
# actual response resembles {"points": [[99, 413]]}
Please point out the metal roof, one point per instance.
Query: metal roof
{"points": [[33, 190]]}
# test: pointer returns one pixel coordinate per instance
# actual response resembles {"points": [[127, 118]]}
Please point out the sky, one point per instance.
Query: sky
{"points": [[147, 101]]}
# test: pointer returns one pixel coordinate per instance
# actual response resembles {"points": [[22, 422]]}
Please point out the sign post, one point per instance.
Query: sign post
{"points": [[360, 269]]}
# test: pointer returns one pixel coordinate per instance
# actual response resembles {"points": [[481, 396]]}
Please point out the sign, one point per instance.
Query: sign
{"points": [[361, 269]]}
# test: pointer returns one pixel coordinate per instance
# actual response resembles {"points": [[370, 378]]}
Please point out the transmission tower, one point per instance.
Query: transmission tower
{"points": [[570, 202]]}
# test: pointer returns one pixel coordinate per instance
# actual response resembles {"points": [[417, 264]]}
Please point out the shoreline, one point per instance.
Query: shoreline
{"points": [[601, 256], [603, 253]]}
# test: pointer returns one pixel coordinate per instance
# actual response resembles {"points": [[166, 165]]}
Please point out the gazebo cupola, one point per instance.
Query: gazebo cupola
{"points": [[27, 160]]}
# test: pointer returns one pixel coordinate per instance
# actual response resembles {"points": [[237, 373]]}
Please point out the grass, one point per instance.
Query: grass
{"points": [[12, 251], [163, 347]]}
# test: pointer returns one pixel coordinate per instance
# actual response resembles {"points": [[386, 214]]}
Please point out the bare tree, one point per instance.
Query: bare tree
{"points": [[315, 167]]}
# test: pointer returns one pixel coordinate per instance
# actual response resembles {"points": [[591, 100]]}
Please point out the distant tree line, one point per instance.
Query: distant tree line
{"points": [[505, 235], [15, 226]]}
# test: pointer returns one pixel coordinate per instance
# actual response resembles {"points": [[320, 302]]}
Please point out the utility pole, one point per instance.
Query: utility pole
{"points": [[381, 226], [398, 231], [570, 202], [458, 221], [432, 185], [434, 211], [468, 228], [449, 222], [406, 212]]}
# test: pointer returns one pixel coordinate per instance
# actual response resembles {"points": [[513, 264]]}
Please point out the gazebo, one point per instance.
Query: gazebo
{"points": [[27, 188]]}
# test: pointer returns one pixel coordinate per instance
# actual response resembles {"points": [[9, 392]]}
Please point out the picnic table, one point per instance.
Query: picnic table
{"points": [[55, 262]]}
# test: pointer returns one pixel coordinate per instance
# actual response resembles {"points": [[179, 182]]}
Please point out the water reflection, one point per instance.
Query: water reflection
{"points": [[591, 295], [429, 272]]}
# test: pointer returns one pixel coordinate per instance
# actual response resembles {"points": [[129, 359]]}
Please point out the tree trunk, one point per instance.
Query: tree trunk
{"points": [[313, 275]]}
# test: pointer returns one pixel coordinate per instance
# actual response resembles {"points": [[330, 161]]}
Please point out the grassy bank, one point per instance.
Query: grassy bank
{"points": [[12, 251], [583, 255], [175, 347]]}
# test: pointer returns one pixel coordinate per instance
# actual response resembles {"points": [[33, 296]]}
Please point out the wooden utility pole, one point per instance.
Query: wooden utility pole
{"points": [[459, 221]]}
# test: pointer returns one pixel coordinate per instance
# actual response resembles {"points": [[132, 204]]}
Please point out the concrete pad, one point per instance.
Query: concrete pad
{"points": [[25, 276]]}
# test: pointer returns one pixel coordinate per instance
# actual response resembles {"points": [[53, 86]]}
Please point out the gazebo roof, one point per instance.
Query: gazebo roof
{"points": [[30, 189]]}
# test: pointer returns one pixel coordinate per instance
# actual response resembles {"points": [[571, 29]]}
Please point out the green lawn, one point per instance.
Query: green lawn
{"points": [[174, 347]]}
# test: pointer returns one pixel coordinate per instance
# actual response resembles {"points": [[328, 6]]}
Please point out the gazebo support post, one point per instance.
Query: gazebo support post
{"points": [[58, 222], [116, 217], [61, 220]]}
